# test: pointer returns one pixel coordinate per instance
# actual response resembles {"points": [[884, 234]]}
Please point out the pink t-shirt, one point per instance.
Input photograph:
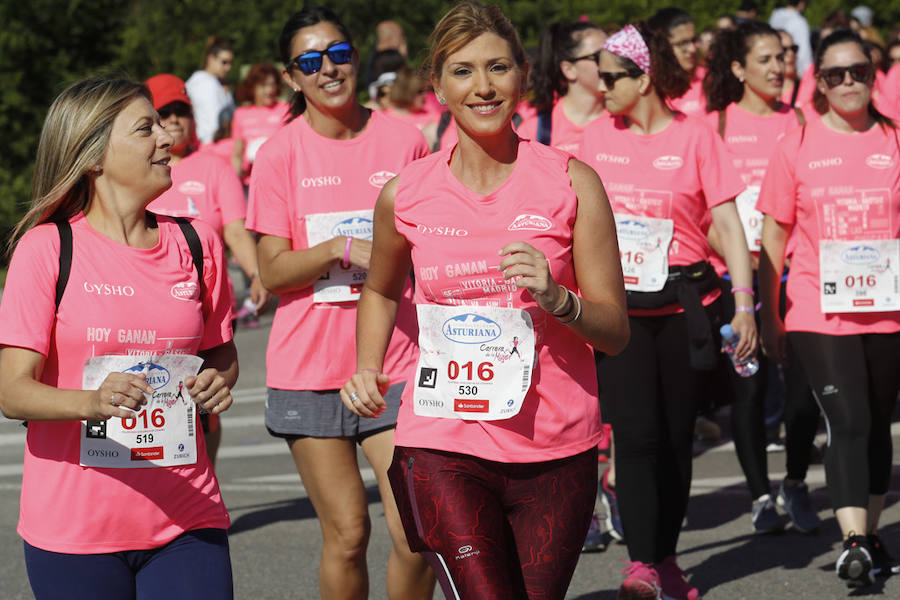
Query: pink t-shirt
{"points": [[455, 234], [223, 149], [417, 119], [564, 134], [832, 186], [118, 300], [254, 125], [750, 140], [678, 173], [299, 172], [693, 103], [203, 187], [450, 137]]}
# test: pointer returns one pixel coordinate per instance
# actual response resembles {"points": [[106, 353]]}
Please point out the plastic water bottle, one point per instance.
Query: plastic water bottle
{"points": [[746, 367]]}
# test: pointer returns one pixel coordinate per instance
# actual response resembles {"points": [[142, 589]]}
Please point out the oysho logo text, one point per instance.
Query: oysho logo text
{"points": [[108, 289], [322, 181], [826, 162], [445, 230], [612, 158]]}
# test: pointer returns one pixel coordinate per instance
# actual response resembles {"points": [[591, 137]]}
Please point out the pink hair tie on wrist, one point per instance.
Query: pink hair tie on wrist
{"points": [[629, 43], [746, 309], [345, 263], [746, 290]]}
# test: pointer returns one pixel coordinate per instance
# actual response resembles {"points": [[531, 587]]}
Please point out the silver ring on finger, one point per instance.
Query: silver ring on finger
{"points": [[112, 399], [354, 397]]}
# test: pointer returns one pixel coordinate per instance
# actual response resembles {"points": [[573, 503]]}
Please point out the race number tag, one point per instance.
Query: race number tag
{"points": [[751, 219], [162, 433], [644, 251], [475, 362], [859, 276], [339, 284]]}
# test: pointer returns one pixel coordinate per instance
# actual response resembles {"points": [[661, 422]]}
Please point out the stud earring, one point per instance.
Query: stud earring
{"points": [[441, 100]]}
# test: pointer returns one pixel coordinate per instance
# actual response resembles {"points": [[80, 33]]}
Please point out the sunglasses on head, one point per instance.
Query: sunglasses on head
{"points": [[594, 56], [179, 109], [311, 62], [610, 78], [860, 72]]}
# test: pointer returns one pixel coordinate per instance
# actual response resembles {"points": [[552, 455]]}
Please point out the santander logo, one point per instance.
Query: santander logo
{"points": [[531, 222], [879, 161], [191, 188], [668, 162], [186, 290], [380, 178]]}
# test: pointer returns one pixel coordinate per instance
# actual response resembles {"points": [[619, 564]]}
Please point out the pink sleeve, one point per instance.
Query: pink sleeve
{"points": [[219, 297], [528, 129], [778, 194], [28, 308], [268, 212], [237, 124], [229, 194], [718, 177]]}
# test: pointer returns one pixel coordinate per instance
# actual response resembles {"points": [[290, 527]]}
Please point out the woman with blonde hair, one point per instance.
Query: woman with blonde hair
{"points": [[96, 355]]}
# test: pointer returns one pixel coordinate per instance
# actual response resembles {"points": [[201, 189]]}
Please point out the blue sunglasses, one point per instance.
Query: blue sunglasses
{"points": [[311, 62]]}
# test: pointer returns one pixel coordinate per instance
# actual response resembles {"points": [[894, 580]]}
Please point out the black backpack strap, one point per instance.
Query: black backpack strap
{"points": [[794, 93], [801, 118], [722, 122], [193, 242], [544, 127], [517, 120], [65, 258], [443, 124]]}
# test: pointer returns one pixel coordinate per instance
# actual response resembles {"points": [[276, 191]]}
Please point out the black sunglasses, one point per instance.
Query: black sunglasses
{"points": [[793, 48], [834, 76], [594, 56], [311, 62], [610, 79], [179, 109]]}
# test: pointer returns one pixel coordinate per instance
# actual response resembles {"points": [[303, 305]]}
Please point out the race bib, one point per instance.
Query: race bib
{"points": [[859, 276], [751, 219], [475, 362], [644, 251], [162, 433], [339, 284]]}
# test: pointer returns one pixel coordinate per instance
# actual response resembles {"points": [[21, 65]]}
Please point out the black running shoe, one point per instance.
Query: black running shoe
{"points": [[854, 565], [883, 564]]}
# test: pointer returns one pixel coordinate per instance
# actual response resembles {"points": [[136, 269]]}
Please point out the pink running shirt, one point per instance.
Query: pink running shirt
{"points": [[564, 134], [254, 125], [203, 187], [832, 186], [750, 140], [678, 173], [417, 119], [693, 103], [455, 235], [118, 300], [299, 172]]}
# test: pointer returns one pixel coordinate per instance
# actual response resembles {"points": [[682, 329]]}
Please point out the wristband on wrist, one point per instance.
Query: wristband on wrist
{"points": [[345, 263], [746, 309], [746, 290], [577, 301], [558, 311]]}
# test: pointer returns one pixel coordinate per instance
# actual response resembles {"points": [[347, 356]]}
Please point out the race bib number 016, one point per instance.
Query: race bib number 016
{"points": [[339, 284], [162, 433], [751, 219], [859, 276], [644, 251], [475, 362]]}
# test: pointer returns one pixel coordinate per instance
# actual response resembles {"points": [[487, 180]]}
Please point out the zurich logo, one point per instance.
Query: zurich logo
{"points": [[181, 447], [470, 328], [358, 227], [632, 230], [510, 402], [157, 376], [860, 255]]}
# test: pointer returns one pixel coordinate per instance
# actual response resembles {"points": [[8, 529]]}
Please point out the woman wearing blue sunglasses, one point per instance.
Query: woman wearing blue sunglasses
{"points": [[312, 190]]}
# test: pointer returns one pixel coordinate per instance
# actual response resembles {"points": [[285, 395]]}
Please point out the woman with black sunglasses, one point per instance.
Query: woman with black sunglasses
{"points": [[833, 188], [312, 190], [665, 173], [565, 86]]}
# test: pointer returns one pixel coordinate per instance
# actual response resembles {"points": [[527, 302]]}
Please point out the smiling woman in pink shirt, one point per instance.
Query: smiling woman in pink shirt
{"points": [[312, 193], [517, 277], [833, 189], [117, 488]]}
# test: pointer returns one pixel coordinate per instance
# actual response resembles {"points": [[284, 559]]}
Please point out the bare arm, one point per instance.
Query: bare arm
{"points": [[284, 270], [377, 309], [737, 258], [771, 264], [243, 249], [237, 156]]}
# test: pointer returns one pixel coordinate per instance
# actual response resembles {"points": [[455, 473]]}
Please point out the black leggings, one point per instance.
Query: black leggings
{"points": [[856, 380], [648, 394]]}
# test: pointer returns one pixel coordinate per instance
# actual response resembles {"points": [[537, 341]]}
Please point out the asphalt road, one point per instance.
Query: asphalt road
{"points": [[275, 536]]}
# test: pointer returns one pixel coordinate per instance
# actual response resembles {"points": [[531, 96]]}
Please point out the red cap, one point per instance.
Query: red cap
{"points": [[165, 89]]}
